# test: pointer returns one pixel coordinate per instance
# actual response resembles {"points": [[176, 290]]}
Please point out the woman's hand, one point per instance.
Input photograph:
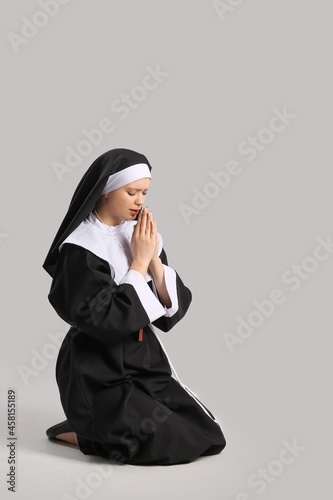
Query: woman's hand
{"points": [[143, 242], [157, 241]]}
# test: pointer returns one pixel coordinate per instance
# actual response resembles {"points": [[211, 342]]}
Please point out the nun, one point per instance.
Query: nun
{"points": [[112, 284]]}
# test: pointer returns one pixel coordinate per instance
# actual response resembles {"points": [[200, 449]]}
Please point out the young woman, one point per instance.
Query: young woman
{"points": [[112, 284]]}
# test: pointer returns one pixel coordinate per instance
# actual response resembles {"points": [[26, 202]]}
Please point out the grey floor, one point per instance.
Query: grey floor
{"points": [[60, 471], [46, 469]]}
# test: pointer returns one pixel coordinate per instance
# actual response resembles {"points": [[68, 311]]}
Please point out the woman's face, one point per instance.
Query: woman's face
{"points": [[120, 202]]}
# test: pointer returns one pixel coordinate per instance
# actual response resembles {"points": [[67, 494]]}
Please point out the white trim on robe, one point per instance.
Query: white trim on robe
{"points": [[149, 300], [92, 235]]}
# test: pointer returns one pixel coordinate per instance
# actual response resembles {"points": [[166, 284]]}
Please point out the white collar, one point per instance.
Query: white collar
{"points": [[98, 224]]}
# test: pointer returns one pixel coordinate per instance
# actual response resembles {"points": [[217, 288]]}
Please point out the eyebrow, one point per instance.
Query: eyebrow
{"points": [[135, 189]]}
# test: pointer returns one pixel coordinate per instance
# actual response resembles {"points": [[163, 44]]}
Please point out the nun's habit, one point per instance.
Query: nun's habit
{"points": [[118, 388]]}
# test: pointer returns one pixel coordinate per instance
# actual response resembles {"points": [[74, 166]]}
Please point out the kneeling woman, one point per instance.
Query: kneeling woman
{"points": [[112, 284]]}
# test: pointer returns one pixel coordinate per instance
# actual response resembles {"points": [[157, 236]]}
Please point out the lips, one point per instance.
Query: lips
{"points": [[135, 211]]}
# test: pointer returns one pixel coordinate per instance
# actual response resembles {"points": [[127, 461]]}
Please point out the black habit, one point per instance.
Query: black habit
{"points": [[116, 382]]}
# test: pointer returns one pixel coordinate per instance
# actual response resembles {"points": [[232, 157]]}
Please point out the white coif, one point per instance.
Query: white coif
{"points": [[129, 174]]}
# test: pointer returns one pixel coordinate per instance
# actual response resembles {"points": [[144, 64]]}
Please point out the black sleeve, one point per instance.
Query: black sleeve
{"points": [[86, 297], [184, 296]]}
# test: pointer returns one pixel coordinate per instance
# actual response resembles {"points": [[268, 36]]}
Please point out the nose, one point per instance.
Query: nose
{"points": [[139, 200]]}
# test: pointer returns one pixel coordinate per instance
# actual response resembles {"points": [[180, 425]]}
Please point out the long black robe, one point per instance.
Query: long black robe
{"points": [[117, 391]]}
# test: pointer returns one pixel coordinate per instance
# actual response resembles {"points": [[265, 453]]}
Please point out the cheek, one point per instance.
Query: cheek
{"points": [[119, 200], [114, 204], [124, 201]]}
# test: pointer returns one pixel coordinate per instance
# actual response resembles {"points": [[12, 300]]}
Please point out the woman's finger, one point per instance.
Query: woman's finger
{"points": [[143, 223], [152, 228], [137, 225], [148, 223], [150, 220]]}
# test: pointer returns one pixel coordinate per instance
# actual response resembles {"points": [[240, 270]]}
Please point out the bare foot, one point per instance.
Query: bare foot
{"points": [[69, 437]]}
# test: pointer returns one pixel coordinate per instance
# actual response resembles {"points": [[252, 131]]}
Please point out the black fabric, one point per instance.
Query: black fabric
{"points": [[117, 392], [87, 193], [86, 297]]}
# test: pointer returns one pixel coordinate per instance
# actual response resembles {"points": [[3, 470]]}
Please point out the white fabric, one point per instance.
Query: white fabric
{"points": [[129, 174], [94, 236], [148, 299]]}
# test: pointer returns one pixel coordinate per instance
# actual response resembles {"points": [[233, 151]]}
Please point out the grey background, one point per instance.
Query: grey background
{"points": [[225, 76]]}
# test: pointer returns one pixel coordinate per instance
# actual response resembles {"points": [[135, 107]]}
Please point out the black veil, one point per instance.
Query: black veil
{"points": [[87, 194]]}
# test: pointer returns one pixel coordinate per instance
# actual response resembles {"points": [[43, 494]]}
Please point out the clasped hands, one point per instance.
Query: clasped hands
{"points": [[145, 246], [145, 240]]}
